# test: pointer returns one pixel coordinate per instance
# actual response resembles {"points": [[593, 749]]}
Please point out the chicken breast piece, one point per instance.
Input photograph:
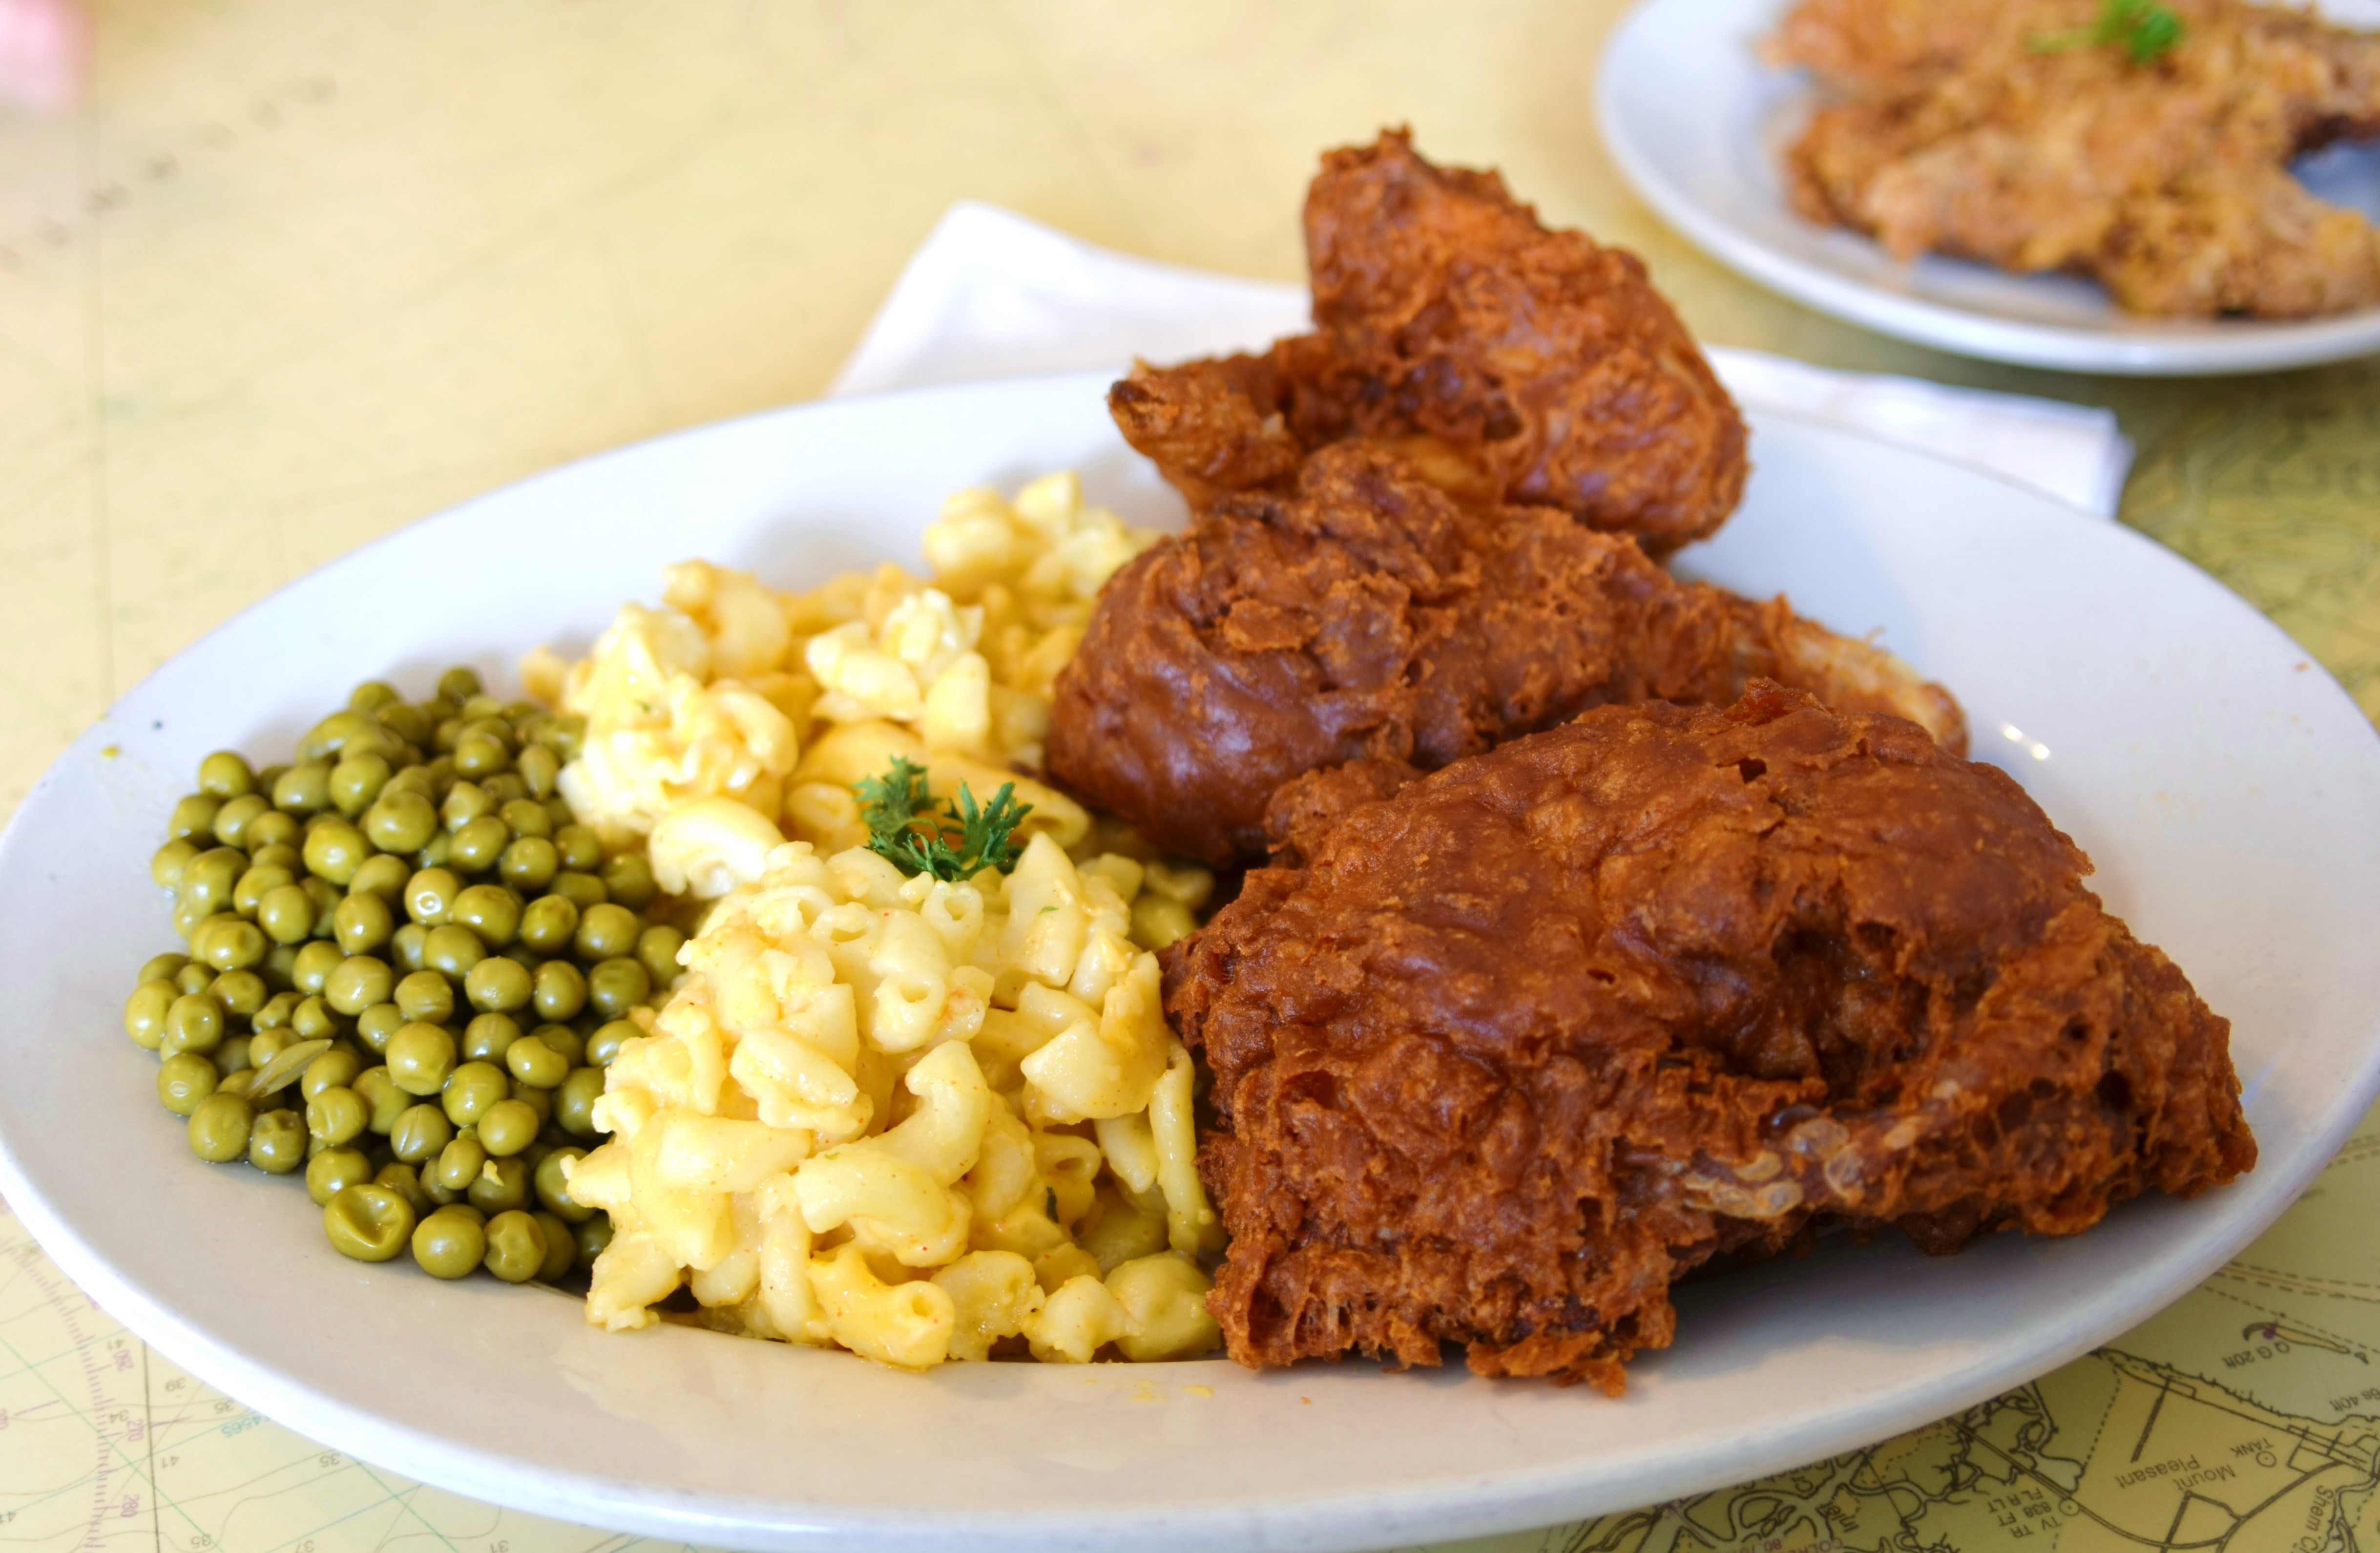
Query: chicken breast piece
{"points": [[1523, 1043], [1368, 615]]}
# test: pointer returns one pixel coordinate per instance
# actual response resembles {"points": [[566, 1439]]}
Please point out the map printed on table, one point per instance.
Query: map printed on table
{"points": [[2245, 1418]]}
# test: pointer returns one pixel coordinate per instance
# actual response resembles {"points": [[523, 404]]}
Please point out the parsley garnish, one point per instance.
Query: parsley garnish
{"points": [[906, 825], [2146, 29]]}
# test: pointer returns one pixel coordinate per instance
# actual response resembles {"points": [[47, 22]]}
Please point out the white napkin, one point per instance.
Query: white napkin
{"points": [[990, 294]]}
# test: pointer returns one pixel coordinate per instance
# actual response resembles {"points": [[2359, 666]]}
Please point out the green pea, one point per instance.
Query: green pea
{"points": [[457, 1165], [481, 754], [452, 949], [438, 854], [536, 1064], [312, 1019], [558, 810], [194, 1022], [515, 1246], [490, 911], [489, 1036], [145, 1011], [484, 716], [592, 1237], [540, 768], [334, 1069], [337, 1115], [383, 877], [420, 1058], [219, 1128], [406, 721], [232, 821], [529, 863], [581, 849], [421, 1132], [166, 865], [507, 787], [526, 818], [267, 1044], [303, 789], [276, 1142], [287, 858], [225, 774], [313, 968], [561, 1249], [604, 1044], [426, 996], [500, 1186], [273, 829], [267, 775], [449, 1245], [554, 1191], [400, 819], [617, 986], [430, 895], [564, 736], [465, 802], [194, 976], [209, 880], [261, 879], [459, 684], [384, 1103], [372, 694], [184, 1082], [330, 735], [583, 890], [497, 986], [286, 915], [362, 923], [376, 1024], [241, 993], [629, 881], [475, 848], [277, 1012], [193, 818], [336, 851], [405, 1182], [507, 1127], [406, 947], [369, 1220], [539, 1102], [230, 943], [549, 924], [231, 1057], [356, 782], [472, 1090], [606, 932], [334, 1169], [657, 950], [574, 1102], [161, 967], [361, 981]]}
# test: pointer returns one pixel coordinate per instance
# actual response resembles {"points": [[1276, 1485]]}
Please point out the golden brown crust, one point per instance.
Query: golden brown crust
{"points": [[1959, 132], [1368, 615], [1509, 362], [1526, 1041]]}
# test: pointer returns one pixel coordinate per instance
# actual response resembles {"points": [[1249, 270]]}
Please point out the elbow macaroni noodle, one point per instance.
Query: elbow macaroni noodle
{"points": [[914, 1118]]}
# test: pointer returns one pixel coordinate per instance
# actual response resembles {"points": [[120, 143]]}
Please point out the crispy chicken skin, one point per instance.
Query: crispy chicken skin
{"points": [[1509, 362], [1960, 131], [1520, 1045], [1368, 615]]}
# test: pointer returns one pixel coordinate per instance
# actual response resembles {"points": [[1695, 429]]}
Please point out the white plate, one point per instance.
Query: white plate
{"points": [[2229, 791], [1696, 122]]}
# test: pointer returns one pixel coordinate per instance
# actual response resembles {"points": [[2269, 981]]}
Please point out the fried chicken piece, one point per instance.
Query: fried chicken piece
{"points": [[1523, 1044], [1368, 614], [1509, 362], [1964, 133]]}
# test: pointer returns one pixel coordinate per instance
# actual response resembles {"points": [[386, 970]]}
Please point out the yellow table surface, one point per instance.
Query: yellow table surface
{"points": [[300, 272]]}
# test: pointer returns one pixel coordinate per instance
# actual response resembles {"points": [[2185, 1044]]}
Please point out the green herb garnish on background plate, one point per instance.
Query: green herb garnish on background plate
{"points": [[2146, 29], [907, 827]]}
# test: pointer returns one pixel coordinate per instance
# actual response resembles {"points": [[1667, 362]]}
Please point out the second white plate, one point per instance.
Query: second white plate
{"points": [[2229, 791], [1696, 122]]}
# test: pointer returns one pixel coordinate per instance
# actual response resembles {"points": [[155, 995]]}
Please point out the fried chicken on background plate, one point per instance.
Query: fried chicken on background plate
{"points": [[1519, 1045], [1365, 614], [1998, 130], [1509, 363]]}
